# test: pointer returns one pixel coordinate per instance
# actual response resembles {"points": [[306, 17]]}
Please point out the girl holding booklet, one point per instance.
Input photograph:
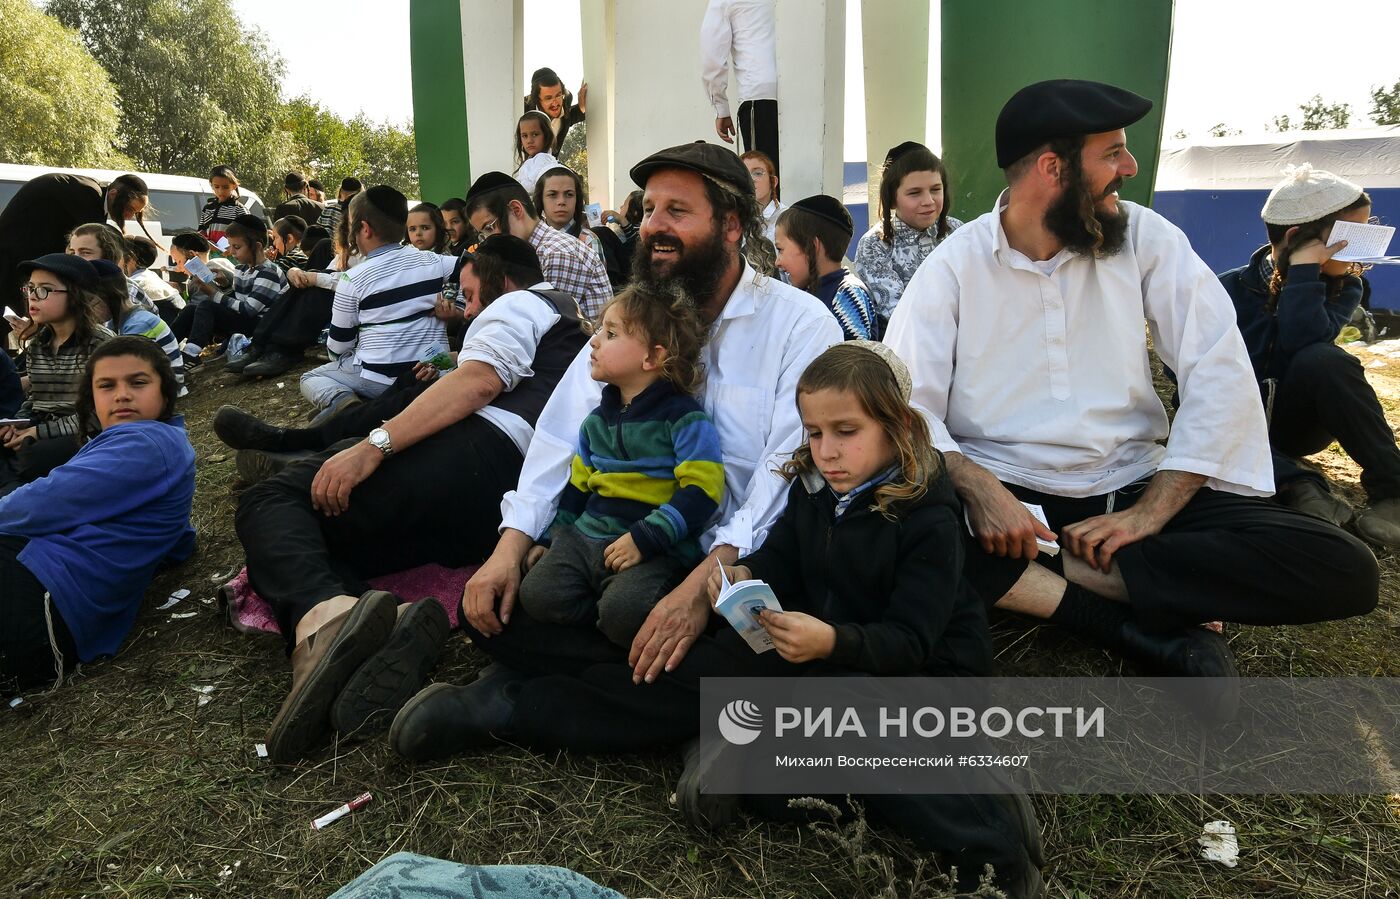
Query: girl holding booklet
{"points": [[866, 563]]}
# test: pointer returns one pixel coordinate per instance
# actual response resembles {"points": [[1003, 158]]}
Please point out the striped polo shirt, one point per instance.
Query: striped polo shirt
{"points": [[383, 310]]}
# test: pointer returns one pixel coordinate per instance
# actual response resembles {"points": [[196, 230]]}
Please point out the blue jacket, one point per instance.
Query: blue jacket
{"points": [[99, 525], [1307, 312]]}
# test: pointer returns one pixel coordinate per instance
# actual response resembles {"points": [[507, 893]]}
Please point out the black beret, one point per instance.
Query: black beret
{"points": [[74, 268], [705, 158], [388, 201], [828, 208], [1063, 108], [489, 182], [898, 151], [509, 248], [253, 222]]}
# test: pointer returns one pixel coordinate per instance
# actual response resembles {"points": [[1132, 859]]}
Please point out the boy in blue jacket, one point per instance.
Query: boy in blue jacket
{"points": [[78, 548]]}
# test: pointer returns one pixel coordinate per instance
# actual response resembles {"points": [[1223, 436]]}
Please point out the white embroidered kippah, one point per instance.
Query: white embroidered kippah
{"points": [[1307, 194], [896, 364]]}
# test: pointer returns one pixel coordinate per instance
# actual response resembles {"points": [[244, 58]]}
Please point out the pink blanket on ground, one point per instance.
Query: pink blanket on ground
{"points": [[251, 614]]}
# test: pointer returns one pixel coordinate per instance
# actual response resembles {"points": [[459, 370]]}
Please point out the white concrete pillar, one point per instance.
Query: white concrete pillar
{"points": [[493, 42], [811, 96], [597, 20], [895, 43]]}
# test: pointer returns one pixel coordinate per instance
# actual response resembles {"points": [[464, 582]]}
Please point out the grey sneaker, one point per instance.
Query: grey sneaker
{"points": [[1311, 498], [1380, 524]]}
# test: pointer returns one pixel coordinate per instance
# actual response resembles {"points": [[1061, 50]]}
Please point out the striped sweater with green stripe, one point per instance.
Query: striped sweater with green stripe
{"points": [[651, 468], [54, 376]]}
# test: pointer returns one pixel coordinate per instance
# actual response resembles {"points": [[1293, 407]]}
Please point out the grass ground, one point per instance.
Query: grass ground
{"points": [[124, 784]]}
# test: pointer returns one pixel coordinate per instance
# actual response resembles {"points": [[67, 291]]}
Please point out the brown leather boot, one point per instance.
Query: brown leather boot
{"points": [[321, 666]]}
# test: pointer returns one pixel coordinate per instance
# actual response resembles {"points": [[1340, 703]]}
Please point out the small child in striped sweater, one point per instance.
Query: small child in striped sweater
{"points": [[646, 479]]}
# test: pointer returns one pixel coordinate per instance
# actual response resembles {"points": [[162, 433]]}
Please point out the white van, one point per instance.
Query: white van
{"points": [[175, 199]]}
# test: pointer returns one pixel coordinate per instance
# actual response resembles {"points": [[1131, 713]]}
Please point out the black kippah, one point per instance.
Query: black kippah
{"points": [[900, 149], [489, 182], [250, 221], [1066, 107], [509, 248], [828, 208], [389, 202]]}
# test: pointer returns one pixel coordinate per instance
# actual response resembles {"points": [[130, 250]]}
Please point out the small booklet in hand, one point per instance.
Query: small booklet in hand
{"points": [[196, 267], [740, 604], [1049, 547]]}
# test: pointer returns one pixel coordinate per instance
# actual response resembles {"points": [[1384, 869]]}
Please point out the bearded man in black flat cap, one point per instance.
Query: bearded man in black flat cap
{"points": [[1025, 335]]}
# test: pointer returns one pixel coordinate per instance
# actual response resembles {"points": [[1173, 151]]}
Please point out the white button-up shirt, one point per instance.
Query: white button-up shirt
{"points": [[766, 335], [745, 29], [1039, 372]]}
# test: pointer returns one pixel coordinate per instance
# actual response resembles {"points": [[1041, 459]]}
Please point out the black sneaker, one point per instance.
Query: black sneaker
{"points": [[394, 674], [240, 430], [446, 719], [706, 811], [272, 364], [237, 365], [259, 465]]}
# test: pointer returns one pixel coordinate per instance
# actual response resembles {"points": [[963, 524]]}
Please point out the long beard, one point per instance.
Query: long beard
{"points": [[697, 269], [1075, 219]]}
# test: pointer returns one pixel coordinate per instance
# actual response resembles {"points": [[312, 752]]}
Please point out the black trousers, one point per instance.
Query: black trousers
{"points": [[437, 501], [1324, 396], [26, 654], [295, 321], [1223, 557], [758, 126], [199, 322], [582, 698], [358, 420]]}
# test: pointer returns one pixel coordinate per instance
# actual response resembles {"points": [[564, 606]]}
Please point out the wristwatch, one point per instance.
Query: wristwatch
{"points": [[379, 439]]}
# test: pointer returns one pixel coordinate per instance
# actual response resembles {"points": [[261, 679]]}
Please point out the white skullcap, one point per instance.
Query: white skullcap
{"points": [[1307, 194]]}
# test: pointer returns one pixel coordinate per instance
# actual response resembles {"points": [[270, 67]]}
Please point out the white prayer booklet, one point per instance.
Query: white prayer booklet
{"points": [[1365, 243], [196, 267], [740, 604], [1049, 547]]}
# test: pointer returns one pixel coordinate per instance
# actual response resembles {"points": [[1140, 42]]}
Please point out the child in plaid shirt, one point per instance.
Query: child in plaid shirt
{"points": [[257, 284]]}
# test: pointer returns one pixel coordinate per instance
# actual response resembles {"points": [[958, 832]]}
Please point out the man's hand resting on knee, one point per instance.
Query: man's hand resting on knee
{"points": [[676, 621], [498, 580], [1096, 539], [1000, 522]]}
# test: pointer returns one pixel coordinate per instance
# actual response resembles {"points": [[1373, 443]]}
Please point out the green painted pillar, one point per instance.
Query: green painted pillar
{"points": [[993, 48], [439, 98]]}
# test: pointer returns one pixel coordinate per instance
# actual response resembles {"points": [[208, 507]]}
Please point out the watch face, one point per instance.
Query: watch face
{"points": [[379, 437]]}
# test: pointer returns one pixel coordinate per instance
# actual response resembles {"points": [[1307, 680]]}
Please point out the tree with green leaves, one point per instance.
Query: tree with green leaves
{"points": [[1318, 115], [196, 88], [1385, 104], [57, 105]]}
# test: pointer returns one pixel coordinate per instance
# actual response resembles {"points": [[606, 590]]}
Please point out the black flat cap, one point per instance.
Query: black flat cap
{"points": [[508, 248], [388, 201], [489, 182], [1063, 108], [705, 158], [73, 268], [248, 220], [828, 208]]}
